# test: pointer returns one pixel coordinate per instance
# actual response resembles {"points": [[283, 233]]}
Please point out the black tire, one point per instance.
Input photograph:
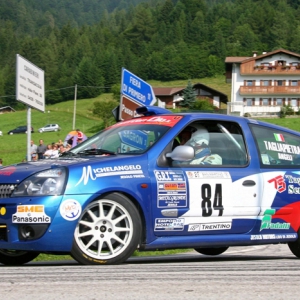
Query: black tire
{"points": [[295, 246], [100, 239], [211, 251], [16, 257]]}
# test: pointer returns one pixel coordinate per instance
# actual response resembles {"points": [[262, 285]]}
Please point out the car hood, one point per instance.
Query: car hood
{"points": [[16, 173]]}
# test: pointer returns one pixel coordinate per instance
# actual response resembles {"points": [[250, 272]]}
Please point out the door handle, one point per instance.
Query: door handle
{"points": [[249, 183]]}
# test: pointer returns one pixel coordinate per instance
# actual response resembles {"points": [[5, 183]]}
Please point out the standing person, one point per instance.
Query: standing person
{"points": [[1, 163], [79, 134], [33, 150], [41, 149]]}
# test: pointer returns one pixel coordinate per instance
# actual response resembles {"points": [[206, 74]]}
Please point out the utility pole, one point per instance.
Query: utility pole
{"points": [[74, 114]]}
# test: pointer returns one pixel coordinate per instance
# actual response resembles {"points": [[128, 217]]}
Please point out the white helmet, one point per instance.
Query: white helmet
{"points": [[199, 137]]}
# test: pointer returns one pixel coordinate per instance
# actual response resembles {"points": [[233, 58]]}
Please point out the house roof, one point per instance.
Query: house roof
{"points": [[6, 108], [167, 91], [242, 59]]}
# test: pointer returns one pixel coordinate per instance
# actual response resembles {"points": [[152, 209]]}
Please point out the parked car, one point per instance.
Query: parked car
{"points": [[235, 182], [20, 129], [49, 127]]}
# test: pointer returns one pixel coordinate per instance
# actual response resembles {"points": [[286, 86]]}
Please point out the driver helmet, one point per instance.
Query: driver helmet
{"points": [[200, 137]]}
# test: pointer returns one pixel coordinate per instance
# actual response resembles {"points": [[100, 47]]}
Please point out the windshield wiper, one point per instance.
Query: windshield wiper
{"points": [[96, 152], [68, 154]]}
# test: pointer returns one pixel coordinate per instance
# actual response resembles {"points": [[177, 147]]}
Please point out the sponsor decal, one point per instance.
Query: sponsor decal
{"points": [[171, 188], [7, 171], [167, 224], [272, 236], [125, 170], [266, 222], [279, 183], [293, 188], [70, 209], [207, 175], [165, 120], [33, 214], [210, 226]]}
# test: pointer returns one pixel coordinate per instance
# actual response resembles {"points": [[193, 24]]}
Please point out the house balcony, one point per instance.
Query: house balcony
{"points": [[270, 70], [269, 90]]}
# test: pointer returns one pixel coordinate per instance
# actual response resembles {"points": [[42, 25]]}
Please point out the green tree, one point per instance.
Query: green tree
{"points": [[189, 96], [103, 110]]}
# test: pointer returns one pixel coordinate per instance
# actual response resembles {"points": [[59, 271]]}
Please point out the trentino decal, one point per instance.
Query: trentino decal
{"points": [[70, 209], [266, 222], [279, 183], [210, 226], [125, 170], [33, 214]]}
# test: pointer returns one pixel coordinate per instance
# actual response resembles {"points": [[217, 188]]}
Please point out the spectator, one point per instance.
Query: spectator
{"points": [[1, 163], [62, 149], [33, 150], [79, 134], [48, 152], [41, 149], [1, 133]]}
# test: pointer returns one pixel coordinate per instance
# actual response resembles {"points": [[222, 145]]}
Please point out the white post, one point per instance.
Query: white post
{"points": [[74, 114], [28, 133]]}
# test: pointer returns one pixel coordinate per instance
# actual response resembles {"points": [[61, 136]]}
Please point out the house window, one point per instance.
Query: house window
{"points": [[294, 102], [265, 82], [249, 83], [280, 82], [279, 101], [249, 101], [265, 101], [294, 82]]}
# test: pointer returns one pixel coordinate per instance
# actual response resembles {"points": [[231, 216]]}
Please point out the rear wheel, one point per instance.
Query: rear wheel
{"points": [[108, 231], [16, 257], [295, 246], [211, 251]]}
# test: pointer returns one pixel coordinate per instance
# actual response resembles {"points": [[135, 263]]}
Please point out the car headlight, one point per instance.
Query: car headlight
{"points": [[47, 183]]}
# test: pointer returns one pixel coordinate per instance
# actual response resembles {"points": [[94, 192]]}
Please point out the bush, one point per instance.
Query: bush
{"points": [[247, 115], [286, 110]]}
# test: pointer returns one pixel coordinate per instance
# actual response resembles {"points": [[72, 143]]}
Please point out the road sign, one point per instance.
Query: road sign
{"points": [[134, 138], [30, 84], [127, 108], [137, 89]]}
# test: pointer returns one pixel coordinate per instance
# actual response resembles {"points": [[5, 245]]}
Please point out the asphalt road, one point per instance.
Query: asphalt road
{"points": [[258, 272]]}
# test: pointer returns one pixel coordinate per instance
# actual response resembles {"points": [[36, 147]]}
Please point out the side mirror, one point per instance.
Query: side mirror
{"points": [[182, 153]]}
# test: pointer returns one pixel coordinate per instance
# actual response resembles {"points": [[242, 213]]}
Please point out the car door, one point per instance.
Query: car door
{"points": [[213, 198]]}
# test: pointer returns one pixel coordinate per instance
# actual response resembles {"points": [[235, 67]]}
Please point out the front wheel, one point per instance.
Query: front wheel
{"points": [[16, 257], [108, 231], [211, 251]]}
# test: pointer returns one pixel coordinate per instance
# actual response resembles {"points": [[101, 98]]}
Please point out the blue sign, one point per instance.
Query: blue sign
{"points": [[134, 138], [137, 89]]}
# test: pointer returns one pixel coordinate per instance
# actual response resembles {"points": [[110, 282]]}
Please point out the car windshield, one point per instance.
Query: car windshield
{"points": [[123, 138]]}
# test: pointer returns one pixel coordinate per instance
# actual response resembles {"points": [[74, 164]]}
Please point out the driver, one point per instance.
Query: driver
{"points": [[200, 142]]}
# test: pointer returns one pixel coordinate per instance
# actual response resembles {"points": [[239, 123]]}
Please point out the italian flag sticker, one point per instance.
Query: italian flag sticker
{"points": [[279, 137]]}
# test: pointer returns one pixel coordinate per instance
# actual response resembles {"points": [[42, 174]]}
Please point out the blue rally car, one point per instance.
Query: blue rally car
{"points": [[157, 181]]}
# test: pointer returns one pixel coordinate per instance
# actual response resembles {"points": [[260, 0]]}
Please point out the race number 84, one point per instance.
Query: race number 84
{"points": [[206, 203]]}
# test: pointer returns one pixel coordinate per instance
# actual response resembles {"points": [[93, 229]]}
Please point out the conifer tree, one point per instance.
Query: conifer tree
{"points": [[189, 96]]}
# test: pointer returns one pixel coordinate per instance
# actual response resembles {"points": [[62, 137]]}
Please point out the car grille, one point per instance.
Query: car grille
{"points": [[6, 190], [3, 232]]}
